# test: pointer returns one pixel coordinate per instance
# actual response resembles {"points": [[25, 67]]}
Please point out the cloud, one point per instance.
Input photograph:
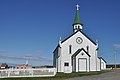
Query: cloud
{"points": [[116, 46], [33, 58], [3, 51], [38, 58]]}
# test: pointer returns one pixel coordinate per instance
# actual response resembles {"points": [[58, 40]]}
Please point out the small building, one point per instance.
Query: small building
{"points": [[23, 66], [4, 66], [46, 66], [102, 63]]}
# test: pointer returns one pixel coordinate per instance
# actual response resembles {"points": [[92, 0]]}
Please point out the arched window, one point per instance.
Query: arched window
{"points": [[70, 49], [88, 49], [75, 27], [78, 27]]}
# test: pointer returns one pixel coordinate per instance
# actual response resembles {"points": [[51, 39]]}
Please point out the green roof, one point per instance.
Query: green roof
{"points": [[77, 19]]}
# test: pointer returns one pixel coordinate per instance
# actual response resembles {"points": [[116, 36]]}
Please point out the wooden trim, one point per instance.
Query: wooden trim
{"points": [[89, 64]]}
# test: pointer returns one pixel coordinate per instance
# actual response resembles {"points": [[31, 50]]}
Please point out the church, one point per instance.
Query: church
{"points": [[78, 52]]}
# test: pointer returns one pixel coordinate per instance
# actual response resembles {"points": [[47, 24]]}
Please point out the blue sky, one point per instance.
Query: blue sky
{"points": [[31, 28]]}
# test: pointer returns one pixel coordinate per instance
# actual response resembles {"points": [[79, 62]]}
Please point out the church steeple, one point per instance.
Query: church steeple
{"points": [[77, 25]]}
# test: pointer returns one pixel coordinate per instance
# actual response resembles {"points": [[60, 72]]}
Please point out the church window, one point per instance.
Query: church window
{"points": [[75, 27], [70, 49], [87, 48], [66, 64], [78, 27], [82, 54]]}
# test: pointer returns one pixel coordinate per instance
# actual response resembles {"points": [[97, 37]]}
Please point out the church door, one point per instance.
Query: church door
{"points": [[82, 64]]}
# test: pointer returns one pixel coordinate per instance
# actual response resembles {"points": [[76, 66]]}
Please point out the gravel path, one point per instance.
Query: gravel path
{"points": [[112, 75]]}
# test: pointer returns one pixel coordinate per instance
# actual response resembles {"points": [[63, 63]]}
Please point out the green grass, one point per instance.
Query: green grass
{"points": [[59, 76]]}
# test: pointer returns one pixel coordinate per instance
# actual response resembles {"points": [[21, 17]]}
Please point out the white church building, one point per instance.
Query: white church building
{"points": [[78, 52]]}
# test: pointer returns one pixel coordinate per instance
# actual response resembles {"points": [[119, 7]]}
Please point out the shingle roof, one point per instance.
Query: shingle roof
{"points": [[77, 19]]}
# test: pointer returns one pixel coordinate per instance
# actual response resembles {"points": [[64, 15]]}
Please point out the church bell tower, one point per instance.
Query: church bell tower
{"points": [[77, 25]]}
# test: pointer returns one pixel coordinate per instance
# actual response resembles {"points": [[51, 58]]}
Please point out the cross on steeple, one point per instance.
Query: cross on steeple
{"points": [[77, 6]]}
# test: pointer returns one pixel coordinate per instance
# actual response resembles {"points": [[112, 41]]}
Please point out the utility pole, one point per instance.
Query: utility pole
{"points": [[115, 57], [116, 47]]}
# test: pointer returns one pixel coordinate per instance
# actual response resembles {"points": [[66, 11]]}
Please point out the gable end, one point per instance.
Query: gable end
{"points": [[102, 59], [78, 51], [83, 34]]}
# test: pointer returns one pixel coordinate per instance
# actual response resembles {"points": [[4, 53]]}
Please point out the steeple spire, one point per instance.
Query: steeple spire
{"points": [[77, 21]]}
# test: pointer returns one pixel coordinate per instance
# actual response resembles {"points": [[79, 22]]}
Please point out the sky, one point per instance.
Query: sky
{"points": [[30, 29]]}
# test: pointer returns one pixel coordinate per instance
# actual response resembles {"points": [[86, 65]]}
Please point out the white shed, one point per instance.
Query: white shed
{"points": [[102, 63]]}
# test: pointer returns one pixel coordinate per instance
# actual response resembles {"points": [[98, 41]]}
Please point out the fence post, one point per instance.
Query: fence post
{"points": [[8, 72]]}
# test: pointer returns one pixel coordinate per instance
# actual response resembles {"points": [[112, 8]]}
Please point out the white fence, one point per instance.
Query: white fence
{"points": [[40, 72]]}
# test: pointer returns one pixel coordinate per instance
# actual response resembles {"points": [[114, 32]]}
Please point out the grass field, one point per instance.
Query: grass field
{"points": [[59, 76]]}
